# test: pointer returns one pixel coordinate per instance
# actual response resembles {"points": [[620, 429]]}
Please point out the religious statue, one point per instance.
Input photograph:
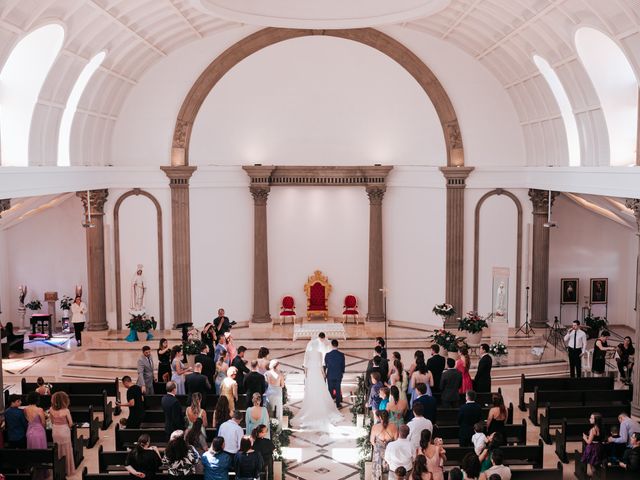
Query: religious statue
{"points": [[79, 291], [501, 305], [22, 293], [138, 288]]}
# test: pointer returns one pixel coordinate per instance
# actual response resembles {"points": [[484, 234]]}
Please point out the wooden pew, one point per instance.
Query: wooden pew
{"points": [[111, 461], [516, 433], [528, 385], [127, 437], [76, 443], [555, 415], [513, 455], [609, 473], [571, 431], [449, 416], [12, 459], [575, 398], [532, 474], [154, 402], [483, 398], [159, 476]]}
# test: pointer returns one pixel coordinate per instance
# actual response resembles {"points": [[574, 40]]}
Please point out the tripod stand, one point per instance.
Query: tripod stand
{"points": [[555, 337], [526, 326]]}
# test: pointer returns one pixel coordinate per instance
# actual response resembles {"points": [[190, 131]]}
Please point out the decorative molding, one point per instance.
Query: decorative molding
{"points": [[260, 195], [116, 234], [5, 204], [179, 175], [367, 36], [98, 199], [476, 249], [456, 176], [328, 176], [540, 200], [634, 204]]}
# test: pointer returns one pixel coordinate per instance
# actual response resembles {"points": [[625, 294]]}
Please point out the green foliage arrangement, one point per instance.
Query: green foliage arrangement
{"points": [[66, 302], [472, 323], [34, 305], [142, 323]]}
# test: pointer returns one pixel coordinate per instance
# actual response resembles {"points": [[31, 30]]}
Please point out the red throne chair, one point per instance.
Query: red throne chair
{"points": [[287, 309], [350, 308], [317, 290]]}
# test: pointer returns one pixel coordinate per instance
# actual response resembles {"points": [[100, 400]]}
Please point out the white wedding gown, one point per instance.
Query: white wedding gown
{"points": [[318, 409]]}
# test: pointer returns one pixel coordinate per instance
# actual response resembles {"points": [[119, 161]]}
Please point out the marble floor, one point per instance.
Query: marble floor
{"points": [[331, 456]]}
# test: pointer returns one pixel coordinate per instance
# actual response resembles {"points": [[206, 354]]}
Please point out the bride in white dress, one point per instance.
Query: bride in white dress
{"points": [[318, 409]]}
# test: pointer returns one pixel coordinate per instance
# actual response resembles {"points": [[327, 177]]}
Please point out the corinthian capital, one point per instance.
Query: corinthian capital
{"points": [[260, 195], [97, 200], [634, 204], [540, 200], [375, 194]]}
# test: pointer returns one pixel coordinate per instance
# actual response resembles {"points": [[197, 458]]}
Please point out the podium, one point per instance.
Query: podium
{"points": [[41, 320]]}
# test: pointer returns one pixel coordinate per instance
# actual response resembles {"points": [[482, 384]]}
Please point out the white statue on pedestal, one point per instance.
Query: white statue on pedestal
{"points": [[138, 288], [501, 305]]}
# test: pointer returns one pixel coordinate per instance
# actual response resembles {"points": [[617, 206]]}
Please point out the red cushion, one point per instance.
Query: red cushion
{"points": [[288, 302], [350, 301], [287, 313], [350, 311], [316, 297]]}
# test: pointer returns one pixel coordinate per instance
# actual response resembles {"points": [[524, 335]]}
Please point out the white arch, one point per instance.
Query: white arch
{"points": [[21, 80]]}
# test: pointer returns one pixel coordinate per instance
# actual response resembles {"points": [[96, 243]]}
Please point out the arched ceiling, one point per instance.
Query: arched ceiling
{"points": [[501, 34]]}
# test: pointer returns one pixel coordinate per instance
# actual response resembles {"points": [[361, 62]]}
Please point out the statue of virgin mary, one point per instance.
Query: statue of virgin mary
{"points": [[138, 288]]}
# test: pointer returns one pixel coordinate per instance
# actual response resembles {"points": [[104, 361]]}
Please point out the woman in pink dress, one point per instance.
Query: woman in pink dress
{"points": [[61, 424], [462, 365]]}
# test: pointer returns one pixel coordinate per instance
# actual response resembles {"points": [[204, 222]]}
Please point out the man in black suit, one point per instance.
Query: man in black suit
{"points": [[254, 381], [206, 360], [335, 365], [470, 414], [241, 365], [197, 382], [221, 324], [173, 416], [435, 365], [429, 404], [372, 366], [380, 342], [482, 381], [450, 384]]}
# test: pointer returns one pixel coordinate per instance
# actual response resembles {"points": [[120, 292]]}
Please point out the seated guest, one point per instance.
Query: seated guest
{"points": [[43, 388], [428, 402], [470, 413], [241, 367], [420, 469], [417, 425], [617, 445], [222, 413], [624, 359], [497, 416], [254, 381], [400, 452], [173, 417], [265, 447], [135, 403], [216, 462], [15, 423], [247, 463], [434, 454], [450, 383], [631, 457], [456, 474], [256, 415], [143, 460], [470, 465], [232, 433], [497, 468], [180, 458]]}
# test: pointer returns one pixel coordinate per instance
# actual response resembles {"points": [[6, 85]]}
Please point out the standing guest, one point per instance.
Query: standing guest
{"points": [[434, 454], [180, 458], [198, 383], [456, 474], [399, 378], [216, 462], [417, 355], [628, 427], [396, 406], [36, 435], [135, 403], [400, 452], [335, 367], [631, 457], [221, 347], [470, 413], [254, 382], [624, 359], [264, 446], [78, 311], [428, 402], [221, 370], [384, 398], [420, 469], [195, 438], [194, 413], [208, 337], [421, 375], [383, 350], [381, 435], [576, 341], [497, 416], [231, 347], [600, 349], [248, 463], [436, 364], [384, 363], [593, 452], [232, 433], [496, 441], [372, 366], [42, 388], [221, 324], [240, 365], [222, 413], [256, 415], [164, 361], [16, 423], [145, 371], [450, 383], [482, 381], [208, 365], [497, 468], [61, 424], [173, 417], [470, 465], [463, 363], [263, 360], [178, 369], [229, 387], [143, 460], [417, 425], [275, 384], [374, 393]]}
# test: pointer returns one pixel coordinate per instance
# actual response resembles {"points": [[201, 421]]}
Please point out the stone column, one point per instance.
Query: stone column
{"points": [[97, 304], [634, 204], [261, 313], [181, 241], [540, 256], [456, 184], [375, 312]]}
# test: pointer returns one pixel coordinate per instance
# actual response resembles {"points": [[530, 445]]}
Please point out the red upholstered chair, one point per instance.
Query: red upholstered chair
{"points": [[287, 309], [317, 290], [350, 308]]}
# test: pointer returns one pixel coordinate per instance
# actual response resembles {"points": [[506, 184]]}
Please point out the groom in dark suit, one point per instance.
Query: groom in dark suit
{"points": [[334, 366]]}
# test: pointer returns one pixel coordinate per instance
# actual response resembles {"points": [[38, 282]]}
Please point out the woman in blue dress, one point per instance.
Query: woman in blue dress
{"points": [[178, 369]]}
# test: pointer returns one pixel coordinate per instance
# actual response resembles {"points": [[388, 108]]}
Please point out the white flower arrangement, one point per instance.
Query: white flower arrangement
{"points": [[498, 349], [444, 310]]}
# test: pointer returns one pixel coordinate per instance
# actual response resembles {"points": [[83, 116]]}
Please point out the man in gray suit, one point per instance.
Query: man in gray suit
{"points": [[145, 371]]}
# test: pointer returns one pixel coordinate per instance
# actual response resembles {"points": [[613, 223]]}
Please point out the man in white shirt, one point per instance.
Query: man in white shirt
{"points": [[576, 341], [400, 453], [232, 433], [417, 424]]}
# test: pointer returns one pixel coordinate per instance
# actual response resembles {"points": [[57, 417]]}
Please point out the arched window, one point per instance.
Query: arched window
{"points": [[570, 125], [64, 137], [21, 80], [617, 89]]}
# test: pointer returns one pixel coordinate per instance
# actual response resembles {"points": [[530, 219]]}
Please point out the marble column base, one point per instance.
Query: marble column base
{"points": [[375, 318], [261, 318]]}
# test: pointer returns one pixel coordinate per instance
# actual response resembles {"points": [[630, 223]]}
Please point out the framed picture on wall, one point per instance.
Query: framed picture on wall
{"points": [[599, 290], [569, 290]]}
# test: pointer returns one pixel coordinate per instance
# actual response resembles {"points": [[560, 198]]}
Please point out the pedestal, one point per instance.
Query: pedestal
{"points": [[500, 330]]}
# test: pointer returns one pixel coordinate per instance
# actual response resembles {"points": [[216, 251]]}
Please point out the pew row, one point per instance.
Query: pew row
{"points": [[127, 437], [528, 385], [516, 434], [449, 416], [13, 460], [555, 415], [608, 473], [532, 474], [571, 431]]}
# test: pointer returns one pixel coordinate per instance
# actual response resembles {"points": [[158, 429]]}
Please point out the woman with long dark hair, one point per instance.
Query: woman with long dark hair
{"points": [[178, 369], [144, 460], [399, 378], [420, 470], [593, 454], [164, 361], [463, 363], [248, 463], [264, 446], [396, 406], [222, 413], [497, 415], [381, 434], [420, 375], [179, 458], [434, 453]]}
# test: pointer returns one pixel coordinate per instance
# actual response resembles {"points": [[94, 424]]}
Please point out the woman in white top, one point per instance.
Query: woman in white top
{"points": [[78, 310]]}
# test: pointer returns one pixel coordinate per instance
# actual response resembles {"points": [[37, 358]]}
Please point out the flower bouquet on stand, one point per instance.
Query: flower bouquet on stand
{"points": [[473, 324], [140, 325], [444, 310], [499, 352], [447, 340], [192, 346]]}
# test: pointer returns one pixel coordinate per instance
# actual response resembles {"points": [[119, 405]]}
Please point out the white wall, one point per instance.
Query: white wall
{"points": [[585, 246]]}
